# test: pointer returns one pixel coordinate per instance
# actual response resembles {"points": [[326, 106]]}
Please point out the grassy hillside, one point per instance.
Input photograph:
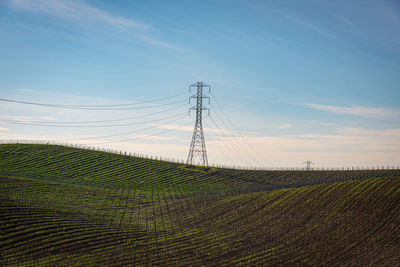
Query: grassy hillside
{"points": [[65, 206], [87, 167]]}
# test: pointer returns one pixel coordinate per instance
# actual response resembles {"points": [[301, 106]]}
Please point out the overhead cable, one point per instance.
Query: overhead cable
{"points": [[90, 126], [214, 142], [97, 121], [141, 137], [238, 145], [230, 145], [97, 107], [124, 133], [235, 128]]}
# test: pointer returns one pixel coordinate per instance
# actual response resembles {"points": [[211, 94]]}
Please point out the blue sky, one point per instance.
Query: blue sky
{"points": [[302, 80]]}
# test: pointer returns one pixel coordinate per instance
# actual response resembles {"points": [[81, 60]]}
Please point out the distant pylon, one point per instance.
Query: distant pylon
{"points": [[197, 151], [309, 163]]}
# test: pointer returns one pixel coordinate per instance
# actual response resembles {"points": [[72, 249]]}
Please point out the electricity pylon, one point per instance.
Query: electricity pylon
{"points": [[197, 151], [309, 163]]}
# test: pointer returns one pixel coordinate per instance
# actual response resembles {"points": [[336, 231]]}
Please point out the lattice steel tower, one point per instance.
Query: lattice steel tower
{"points": [[309, 163], [197, 151]]}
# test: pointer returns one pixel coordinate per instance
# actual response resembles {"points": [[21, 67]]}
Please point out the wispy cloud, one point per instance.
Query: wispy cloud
{"points": [[346, 21], [351, 139], [369, 112], [156, 42], [77, 11], [344, 147], [313, 27], [91, 18], [25, 118], [284, 126]]}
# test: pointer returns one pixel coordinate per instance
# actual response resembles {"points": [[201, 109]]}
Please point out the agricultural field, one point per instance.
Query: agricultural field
{"points": [[62, 206]]}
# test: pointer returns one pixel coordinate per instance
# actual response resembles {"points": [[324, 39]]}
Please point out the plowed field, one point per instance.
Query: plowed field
{"points": [[62, 206]]}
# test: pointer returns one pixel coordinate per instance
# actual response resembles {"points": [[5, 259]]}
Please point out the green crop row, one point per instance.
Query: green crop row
{"points": [[94, 168], [73, 207]]}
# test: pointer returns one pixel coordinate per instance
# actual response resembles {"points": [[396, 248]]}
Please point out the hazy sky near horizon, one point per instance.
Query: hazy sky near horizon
{"points": [[302, 80]]}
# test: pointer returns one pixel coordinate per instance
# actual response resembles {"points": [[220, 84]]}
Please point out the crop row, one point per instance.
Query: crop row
{"points": [[94, 168], [65, 206], [350, 222]]}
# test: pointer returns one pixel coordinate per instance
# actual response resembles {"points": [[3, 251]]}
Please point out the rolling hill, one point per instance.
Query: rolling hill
{"points": [[67, 206]]}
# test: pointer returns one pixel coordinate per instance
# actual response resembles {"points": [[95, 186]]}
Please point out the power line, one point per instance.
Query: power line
{"points": [[235, 128], [234, 139], [231, 145], [125, 133], [239, 146], [98, 121], [87, 107], [91, 106], [141, 137], [197, 148], [89, 126], [218, 147]]}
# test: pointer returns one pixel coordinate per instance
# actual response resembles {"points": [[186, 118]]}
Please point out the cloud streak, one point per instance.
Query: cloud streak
{"points": [[92, 19], [313, 27], [284, 126], [76, 11], [369, 112]]}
